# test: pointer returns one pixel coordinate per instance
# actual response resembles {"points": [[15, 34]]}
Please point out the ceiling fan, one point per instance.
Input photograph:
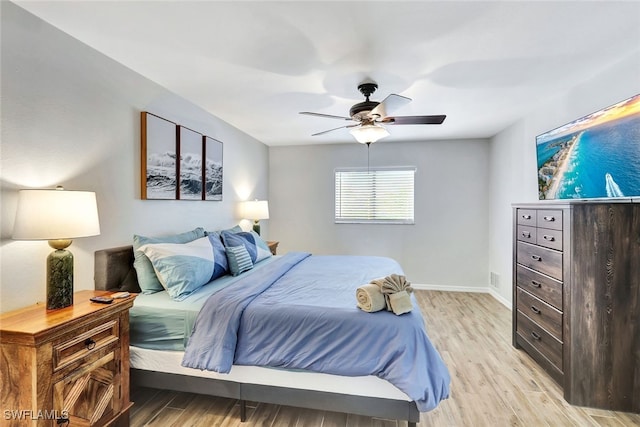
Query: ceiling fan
{"points": [[370, 115]]}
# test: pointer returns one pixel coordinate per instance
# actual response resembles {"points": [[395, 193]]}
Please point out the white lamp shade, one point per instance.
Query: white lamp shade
{"points": [[56, 214], [368, 133], [255, 209]]}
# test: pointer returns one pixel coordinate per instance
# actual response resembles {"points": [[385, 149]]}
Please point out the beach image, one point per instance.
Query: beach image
{"points": [[596, 156]]}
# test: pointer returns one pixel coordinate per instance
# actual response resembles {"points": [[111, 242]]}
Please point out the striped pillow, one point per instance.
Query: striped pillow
{"points": [[239, 260]]}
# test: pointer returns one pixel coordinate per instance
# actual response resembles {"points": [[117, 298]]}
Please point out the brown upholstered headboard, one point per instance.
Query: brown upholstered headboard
{"points": [[114, 270]]}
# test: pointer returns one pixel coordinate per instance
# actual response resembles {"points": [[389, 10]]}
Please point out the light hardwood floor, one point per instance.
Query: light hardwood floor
{"points": [[492, 384]]}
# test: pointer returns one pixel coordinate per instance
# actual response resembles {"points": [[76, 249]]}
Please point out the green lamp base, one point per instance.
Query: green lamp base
{"points": [[256, 227], [59, 279]]}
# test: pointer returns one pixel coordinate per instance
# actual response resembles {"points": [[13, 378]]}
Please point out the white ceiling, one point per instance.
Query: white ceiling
{"points": [[256, 64]]}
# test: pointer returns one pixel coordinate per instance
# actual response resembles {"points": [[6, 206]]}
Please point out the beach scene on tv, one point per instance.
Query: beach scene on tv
{"points": [[596, 156]]}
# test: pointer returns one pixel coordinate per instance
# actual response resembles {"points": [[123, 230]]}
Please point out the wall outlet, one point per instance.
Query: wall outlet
{"points": [[495, 280]]}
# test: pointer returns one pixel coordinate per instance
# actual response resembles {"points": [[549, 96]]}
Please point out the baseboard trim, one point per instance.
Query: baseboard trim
{"points": [[500, 299], [476, 289]]}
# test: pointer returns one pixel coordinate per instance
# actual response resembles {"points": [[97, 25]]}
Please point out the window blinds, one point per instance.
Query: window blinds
{"points": [[375, 195]]}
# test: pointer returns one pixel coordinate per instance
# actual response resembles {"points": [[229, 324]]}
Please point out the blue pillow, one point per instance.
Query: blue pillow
{"points": [[234, 229], [181, 268], [257, 248], [147, 278], [221, 267], [239, 259]]}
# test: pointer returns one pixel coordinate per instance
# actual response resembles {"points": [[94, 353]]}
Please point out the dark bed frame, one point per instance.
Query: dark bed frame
{"points": [[114, 272]]}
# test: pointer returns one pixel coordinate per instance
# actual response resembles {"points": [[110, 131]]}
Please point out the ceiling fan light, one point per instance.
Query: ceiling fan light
{"points": [[368, 133]]}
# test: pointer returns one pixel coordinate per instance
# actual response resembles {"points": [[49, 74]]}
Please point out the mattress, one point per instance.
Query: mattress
{"points": [[170, 362], [158, 322]]}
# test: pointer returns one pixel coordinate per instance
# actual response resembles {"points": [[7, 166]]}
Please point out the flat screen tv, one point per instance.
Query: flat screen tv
{"points": [[595, 156]]}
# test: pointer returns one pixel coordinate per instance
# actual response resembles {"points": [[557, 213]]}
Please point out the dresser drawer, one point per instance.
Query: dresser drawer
{"points": [[541, 340], [549, 219], [549, 238], [83, 344], [527, 217], [546, 261], [540, 312], [527, 234], [543, 287]]}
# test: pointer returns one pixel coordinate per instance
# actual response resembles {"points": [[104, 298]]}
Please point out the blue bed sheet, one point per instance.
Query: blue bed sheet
{"points": [[159, 322], [301, 313]]}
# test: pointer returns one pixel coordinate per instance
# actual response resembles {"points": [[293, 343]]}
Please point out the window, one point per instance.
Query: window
{"points": [[374, 195]]}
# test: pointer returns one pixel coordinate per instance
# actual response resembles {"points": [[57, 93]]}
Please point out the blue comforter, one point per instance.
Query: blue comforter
{"points": [[300, 313]]}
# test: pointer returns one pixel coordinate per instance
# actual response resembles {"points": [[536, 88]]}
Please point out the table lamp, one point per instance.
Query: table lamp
{"points": [[57, 215], [255, 210]]}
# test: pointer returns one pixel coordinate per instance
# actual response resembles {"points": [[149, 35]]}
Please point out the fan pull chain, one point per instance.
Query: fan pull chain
{"points": [[368, 146]]}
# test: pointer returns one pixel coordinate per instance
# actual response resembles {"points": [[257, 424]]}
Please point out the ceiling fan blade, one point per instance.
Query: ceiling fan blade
{"points": [[414, 120], [331, 130], [389, 105], [329, 116]]}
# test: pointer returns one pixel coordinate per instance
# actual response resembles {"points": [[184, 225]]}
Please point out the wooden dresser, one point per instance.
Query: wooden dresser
{"points": [[576, 296], [68, 363]]}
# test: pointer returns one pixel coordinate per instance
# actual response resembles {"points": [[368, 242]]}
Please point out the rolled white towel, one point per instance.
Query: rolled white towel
{"points": [[380, 283], [370, 298], [400, 302]]}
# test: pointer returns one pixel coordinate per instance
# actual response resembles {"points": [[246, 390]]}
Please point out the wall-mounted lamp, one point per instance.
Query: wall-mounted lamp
{"points": [[57, 216], [255, 210]]}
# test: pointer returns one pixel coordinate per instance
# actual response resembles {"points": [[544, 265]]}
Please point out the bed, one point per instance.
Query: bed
{"points": [[162, 333]]}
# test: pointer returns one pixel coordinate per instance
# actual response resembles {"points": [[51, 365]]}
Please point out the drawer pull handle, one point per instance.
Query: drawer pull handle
{"points": [[536, 283], [535, 336], [549, 238], [549, 218], [526, 216], [526, 234], [90, 344], [536, 257], [535, 309]]}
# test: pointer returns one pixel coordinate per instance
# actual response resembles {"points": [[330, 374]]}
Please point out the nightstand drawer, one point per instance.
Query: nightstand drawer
{"points": [[546, 261], [73, 348], [540, 312], [546, 344]]}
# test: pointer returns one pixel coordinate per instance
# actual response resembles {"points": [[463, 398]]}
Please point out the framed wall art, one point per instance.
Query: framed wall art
{"points": [[178, 163], [212, 169], [158, 158], [190, 167]]}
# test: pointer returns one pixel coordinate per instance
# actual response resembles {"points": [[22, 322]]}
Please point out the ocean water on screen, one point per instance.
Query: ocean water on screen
{"points": [[605, 162]]}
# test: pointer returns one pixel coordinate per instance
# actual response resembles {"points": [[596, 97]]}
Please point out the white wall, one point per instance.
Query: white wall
{"points": [[513, 176], [447, 246], [71, 117]]}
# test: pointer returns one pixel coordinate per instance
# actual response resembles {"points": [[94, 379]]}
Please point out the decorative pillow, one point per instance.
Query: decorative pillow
{"points": [[181, 267], [239, 259], [147, 278], [253, 243], [221, 267], [234, 229]]}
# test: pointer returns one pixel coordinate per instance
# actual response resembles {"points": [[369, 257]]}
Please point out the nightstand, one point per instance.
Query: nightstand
{"points": [[273, 246], [68, 363]]}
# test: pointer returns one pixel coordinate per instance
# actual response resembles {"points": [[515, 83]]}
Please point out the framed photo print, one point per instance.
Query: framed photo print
{"points": [[212, 169], [190, 170], [158, 158]]}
